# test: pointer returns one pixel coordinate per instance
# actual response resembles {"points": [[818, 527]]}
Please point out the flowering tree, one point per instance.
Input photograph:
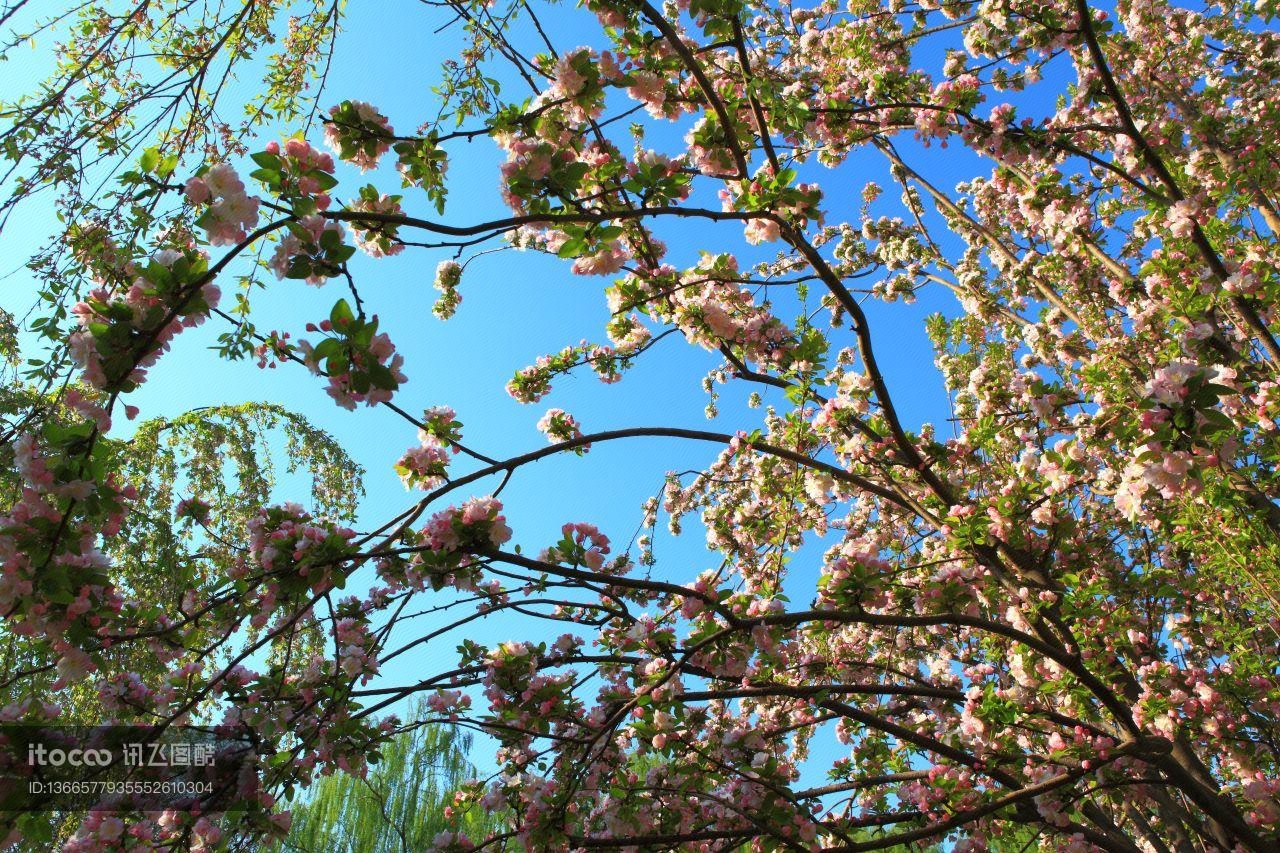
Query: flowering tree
{"points": [[1057, 624]]}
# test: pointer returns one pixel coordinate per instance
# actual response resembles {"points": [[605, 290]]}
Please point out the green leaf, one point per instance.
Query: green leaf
{"points": [[298, 268], [150, 159], [382, 377], [341, 314], [35, 828], [304, 207], [572, 248], [1215, 418], [326, 348], [271, 177], [330, 240]]}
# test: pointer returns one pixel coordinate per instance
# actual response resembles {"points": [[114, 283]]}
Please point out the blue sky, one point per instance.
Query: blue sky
{"points": [[516, 307]]}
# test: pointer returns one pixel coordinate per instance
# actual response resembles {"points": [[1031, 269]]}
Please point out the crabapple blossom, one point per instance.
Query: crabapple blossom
{"points": [[558, 425], [311, 250], [375, 239], [424, 466], [1051, 611], [361, 364], [231, 212], [358, 133], [448, 275], [123, 331]]}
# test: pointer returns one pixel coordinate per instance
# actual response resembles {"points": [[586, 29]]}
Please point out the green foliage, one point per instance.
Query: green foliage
{"points": [[86, 119], [399, 806], [228, 457]]}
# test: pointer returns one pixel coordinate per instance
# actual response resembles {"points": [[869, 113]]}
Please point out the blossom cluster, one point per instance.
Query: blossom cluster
{"points": [[360, 362], [558, 425], [312, 250], [122, 332], [580, 544], [357, 652], [54, 580], [375, 238], [532, 383], [425, 466], [358, 133], [297, 173], [442, 423], [446, 545], [287, 541], [231, 212], [448, 276], [478, 524]]}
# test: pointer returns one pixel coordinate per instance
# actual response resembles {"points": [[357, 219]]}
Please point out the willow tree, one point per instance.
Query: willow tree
{"points": [[1056, 623], [402, 804]]}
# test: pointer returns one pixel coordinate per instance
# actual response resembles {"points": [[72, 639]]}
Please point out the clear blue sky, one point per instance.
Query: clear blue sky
{"points": [[516, 307]]}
